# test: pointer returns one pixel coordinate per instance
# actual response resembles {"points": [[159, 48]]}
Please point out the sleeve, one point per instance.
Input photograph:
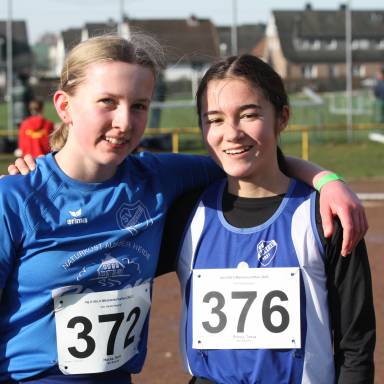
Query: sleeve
{"points": [[8, 228], [175, 225], [352, 311], [182, 172]]}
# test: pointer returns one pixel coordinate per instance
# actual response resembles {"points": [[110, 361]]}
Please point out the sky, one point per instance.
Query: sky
{"points": [[56, 15]]}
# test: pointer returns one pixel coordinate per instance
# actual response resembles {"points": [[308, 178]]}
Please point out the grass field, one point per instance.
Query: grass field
{"points": [[332, 111], [360, 159], [330, 148]]}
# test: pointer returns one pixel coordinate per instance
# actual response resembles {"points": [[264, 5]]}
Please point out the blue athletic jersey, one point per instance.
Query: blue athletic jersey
{"points": [[288, 239], [62, 235]]}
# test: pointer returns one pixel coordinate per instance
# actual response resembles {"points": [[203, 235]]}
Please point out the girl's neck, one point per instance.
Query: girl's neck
{"points": [[264, 186], [81, 169]]}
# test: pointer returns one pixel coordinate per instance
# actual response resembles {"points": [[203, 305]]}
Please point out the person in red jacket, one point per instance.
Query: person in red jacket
{"points": [[34, 131]]}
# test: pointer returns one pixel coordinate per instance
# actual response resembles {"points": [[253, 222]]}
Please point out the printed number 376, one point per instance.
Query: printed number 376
{"points": [[249, 296]]}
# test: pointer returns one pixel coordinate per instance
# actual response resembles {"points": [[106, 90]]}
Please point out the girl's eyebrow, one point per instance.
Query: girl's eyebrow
{"points": [[205, 114], [249, 106], [241, 109]]}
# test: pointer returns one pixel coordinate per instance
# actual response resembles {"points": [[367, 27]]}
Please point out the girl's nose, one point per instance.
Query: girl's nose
{"points": [[122, 119], [233, 131]]}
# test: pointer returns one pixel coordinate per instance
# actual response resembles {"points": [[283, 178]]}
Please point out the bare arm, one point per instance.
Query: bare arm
{"points": [[336, 199]]}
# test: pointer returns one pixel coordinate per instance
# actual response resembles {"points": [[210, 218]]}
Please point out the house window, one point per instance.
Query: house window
{"points": [[331, 45], [380, 44], [309, 71], [308, 44], [223, 49], [303, 44], [333, 71], [364, 44], [360, 44], [316, 44], [359, 70]]}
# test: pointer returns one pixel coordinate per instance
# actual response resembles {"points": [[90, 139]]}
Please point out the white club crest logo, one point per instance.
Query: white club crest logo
{"points": [[130, 215], [266, 251]]}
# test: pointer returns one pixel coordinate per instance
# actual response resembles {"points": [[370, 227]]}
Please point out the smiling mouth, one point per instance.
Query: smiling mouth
{"points": [[116, 141], [237, 151]]}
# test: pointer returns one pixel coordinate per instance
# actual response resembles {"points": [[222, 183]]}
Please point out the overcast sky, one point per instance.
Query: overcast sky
{"points": [[55, 15]]}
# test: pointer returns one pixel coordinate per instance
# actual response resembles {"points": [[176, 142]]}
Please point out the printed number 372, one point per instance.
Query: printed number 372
{"points": [[116, 318]]}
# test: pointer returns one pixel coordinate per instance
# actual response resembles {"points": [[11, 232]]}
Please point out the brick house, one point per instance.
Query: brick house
{"points": [[307, 47], [190, 44], [249, 36]]}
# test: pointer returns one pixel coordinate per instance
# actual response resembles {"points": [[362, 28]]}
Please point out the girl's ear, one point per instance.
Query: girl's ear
{"points": [[282, 120], [61, 102]]}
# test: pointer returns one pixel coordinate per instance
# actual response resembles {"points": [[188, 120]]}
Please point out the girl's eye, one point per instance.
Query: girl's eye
{"points": [[108, 102], [250, 115], [213, 121], [140, 106]]}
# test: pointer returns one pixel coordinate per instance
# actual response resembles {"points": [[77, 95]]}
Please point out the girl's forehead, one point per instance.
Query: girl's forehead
{"points": [[231, 88], [118, 76]]}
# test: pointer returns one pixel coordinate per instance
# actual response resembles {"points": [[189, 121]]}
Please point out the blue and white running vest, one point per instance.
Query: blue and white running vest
{"points": [[288, 239]]}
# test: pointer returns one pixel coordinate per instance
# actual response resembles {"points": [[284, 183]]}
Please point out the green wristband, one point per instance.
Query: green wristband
{"points": [[326, 179]]}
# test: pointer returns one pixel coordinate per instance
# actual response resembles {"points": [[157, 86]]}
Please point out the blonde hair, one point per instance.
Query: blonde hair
{"points": [[140, 49]]}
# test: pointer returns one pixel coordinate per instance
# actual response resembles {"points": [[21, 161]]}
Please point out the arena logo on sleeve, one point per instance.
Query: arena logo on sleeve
{"points": [[266, 251]]}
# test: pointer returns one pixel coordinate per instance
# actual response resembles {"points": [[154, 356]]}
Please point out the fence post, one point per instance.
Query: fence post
{"points": [[305, 144], [175, 142]]}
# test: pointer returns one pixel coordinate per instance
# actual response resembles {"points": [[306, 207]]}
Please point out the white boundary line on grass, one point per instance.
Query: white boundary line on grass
{"points": [[371, 196]]}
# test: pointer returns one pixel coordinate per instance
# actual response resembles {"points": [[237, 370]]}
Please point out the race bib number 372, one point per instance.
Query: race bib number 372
{"points": [[98, 332], [248, 308]]}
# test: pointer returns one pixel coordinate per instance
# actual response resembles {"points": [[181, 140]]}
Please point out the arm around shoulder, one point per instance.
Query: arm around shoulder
{"points": [[352, 312], [336, 199]]}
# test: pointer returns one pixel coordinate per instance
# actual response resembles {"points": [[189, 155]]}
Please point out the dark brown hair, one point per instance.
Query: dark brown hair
{"points": [[258, 73]]}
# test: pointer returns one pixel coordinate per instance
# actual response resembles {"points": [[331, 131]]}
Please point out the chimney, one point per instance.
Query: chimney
{"points": [[193, 21], [308, 6]]}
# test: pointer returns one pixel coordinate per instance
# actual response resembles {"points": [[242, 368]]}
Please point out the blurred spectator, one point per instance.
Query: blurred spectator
{"points": [[34, 131], [379, 94]]}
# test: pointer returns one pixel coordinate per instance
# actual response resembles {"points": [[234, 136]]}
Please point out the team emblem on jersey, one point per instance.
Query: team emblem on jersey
{"points": [[266, 251], [129, 215]]}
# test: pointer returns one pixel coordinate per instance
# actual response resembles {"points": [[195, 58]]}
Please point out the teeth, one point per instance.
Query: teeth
{"points": [[114, 140], [237, 151]]}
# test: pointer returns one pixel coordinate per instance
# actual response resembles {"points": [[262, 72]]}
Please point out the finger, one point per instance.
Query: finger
{"points": [[327, 221], [13, 170], [30, 162], [351, 230], [348, 243], [361, 226], [22, 166]]}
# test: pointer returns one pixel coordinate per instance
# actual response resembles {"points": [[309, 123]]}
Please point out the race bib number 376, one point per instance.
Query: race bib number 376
{"points": [[98, 332], [248, 308]]}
